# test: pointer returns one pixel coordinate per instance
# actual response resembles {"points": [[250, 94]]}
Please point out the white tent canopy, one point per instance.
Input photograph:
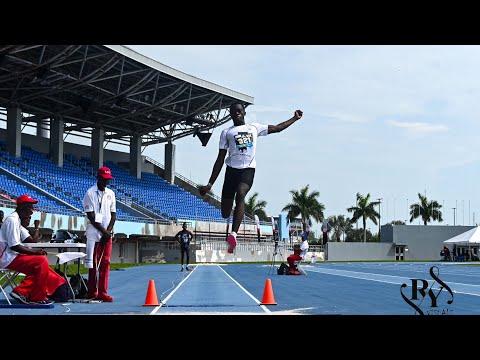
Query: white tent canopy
{"points": [[469, 237]]}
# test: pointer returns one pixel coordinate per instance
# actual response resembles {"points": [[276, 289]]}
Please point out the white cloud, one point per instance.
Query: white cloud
{"points": [[345, 117], [418, 127]]}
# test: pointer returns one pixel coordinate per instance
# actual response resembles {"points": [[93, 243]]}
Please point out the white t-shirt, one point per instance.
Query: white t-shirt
{"points": [[241, 143], [304, 249], [103, 203], [12, 233]]}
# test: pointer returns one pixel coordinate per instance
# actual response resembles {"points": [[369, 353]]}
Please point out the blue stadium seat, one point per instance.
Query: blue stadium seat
{"points": [[70, 183]]}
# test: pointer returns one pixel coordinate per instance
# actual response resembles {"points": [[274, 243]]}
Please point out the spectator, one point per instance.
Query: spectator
{"points": [[1, 218], [36, 235], [40, 282], [299, 254], [446, 254]]}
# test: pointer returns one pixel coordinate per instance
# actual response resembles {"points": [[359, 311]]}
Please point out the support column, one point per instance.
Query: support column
{"points": [[136, 156], [56, 140], [14, 131], [170, 163], [42, 128], [98, 137]]}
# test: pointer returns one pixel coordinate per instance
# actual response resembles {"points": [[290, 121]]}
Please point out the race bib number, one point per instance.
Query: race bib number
{"points": [[243, 141]]}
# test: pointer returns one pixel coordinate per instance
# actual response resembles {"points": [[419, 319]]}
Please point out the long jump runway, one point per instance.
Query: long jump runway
{"points": [[328, 288]]}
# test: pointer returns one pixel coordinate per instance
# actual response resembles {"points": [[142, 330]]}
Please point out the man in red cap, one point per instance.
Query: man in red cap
{"points": [[100, 206], [40, 282]]}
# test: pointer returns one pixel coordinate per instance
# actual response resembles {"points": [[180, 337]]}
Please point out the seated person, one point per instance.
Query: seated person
{"points": [[299, 253], [40, 282], [293, 260]]}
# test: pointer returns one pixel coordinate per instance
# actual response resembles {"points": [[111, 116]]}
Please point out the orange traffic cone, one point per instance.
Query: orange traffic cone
{"points": [[268, 298], [151, 299]]}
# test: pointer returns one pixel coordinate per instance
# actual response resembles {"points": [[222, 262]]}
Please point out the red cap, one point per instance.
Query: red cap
{"points": [[26, 199], [105, 173]]}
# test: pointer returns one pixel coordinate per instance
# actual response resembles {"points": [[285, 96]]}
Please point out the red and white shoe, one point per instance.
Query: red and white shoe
{"points": [[232, 243]]}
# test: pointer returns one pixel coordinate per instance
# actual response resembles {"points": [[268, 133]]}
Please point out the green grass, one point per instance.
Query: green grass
{"points": [[72, 268], [379, 261]]}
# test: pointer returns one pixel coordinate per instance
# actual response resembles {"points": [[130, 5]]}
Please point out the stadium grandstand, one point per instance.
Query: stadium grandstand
{"points": [[108, 94]]}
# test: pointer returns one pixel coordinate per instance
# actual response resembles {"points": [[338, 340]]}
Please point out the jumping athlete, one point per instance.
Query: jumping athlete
{"points": [[240, 140]]}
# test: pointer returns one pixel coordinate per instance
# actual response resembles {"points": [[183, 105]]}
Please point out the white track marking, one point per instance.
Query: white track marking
{"points": [[246, 291], [389, 279], [154, 311]]}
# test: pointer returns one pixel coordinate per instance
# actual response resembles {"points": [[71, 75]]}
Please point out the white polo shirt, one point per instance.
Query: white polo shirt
{"points": [[12, 233], [304, 249], [103, 203], [241, 143]]}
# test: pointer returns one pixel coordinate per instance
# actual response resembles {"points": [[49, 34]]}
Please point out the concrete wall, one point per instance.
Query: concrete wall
{"points": [[247, 252], [423, 242], [351, 251], [123, 252]]}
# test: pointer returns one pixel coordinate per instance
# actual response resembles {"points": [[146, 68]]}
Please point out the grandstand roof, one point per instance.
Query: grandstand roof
{"points": [[113, 87]]}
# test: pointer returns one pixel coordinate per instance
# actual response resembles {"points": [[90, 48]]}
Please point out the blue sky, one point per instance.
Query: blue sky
{"points": [[391, 121]]}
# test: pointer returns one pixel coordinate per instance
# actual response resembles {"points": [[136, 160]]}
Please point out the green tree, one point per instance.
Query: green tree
{"points": [[365, 210], [306, 205], [254, 207], [340, 225], [428, 211], [358, 235]]}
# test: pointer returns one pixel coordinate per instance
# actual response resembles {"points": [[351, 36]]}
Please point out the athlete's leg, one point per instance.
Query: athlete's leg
{"points": [[227, 205], [239, 211], [228, 191]]}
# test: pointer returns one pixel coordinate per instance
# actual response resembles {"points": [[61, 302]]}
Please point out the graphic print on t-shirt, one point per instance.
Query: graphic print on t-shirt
{"points": [[185, 238], [243, 140]]}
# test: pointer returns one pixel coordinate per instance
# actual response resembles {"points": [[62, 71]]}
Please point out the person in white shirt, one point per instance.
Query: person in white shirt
{"points": [[100, 206], [240, 141], [41, 282], [304, 245]]}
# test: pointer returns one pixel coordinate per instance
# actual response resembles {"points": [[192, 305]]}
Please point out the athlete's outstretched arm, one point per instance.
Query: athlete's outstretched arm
{"points": [[282, 126], [217, 167]]}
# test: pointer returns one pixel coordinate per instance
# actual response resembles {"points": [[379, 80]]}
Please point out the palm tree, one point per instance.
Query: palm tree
{"points": [[306, 205], [340, 225], [427, 210], [365, 210], [254, 207]]}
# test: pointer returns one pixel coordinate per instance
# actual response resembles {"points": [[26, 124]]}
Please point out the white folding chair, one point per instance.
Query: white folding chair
{"points": [[7, 279]]}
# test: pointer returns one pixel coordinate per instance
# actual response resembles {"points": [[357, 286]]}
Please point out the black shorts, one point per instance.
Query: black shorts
{"points": [[235, 177]]}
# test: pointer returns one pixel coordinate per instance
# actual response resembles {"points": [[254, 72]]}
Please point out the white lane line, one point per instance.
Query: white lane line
{"points": [[154, 311], [246, 291], [390, 279]]}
